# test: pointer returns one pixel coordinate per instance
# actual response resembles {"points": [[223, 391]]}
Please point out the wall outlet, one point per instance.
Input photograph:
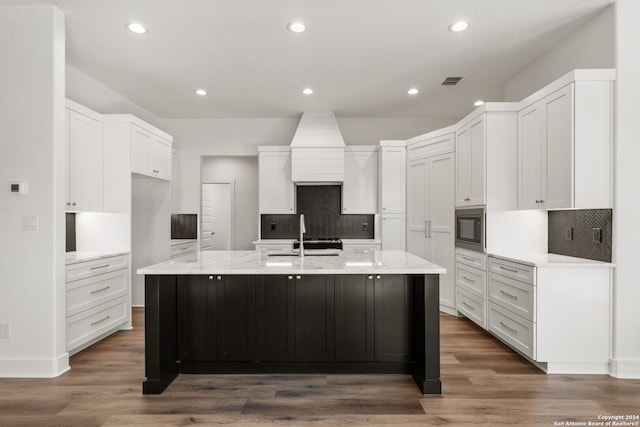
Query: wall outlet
{"points": [[568, 233], [596, 236], [273, 226], [365, 226], [5, 331]]}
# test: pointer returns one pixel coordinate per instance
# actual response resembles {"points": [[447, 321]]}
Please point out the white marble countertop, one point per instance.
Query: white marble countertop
{"points": [[552, 260], [347, 241], [83, 256], [260, 262]]}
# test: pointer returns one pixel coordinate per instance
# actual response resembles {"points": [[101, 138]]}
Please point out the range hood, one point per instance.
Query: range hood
{"points": [[317, 150]]}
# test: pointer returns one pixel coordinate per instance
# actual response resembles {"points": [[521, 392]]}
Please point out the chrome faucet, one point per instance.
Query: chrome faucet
{"points": [[302, 231]]}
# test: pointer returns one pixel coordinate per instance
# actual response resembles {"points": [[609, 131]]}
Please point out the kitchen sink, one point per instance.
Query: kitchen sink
{"points": [[314, 253]]}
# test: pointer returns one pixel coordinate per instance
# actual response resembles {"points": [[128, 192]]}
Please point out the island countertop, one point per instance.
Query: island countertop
{"points": [[262, 262]]}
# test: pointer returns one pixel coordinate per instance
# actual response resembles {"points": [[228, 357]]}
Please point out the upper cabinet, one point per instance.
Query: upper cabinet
{"points": [[470, 163], [564, 143], [392, 166], [276, 189], [85, 161], [150, 153], [359, 190]]}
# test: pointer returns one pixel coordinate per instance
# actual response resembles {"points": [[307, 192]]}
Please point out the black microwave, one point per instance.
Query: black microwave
{"points": [[470, 229]]}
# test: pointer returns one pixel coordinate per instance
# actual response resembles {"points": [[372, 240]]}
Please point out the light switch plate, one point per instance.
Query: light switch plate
{"points": [[568, 233], [5, 330], [29, 221]]}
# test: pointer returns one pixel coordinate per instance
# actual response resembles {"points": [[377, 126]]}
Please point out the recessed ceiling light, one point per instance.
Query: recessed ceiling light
{"points": [[413, 91], [478, 103], [296, 27], [307, 91], [201, 92], [459, 26], [136, 28]]}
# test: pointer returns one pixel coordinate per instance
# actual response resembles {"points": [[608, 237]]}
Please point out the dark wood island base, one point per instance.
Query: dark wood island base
{"points": [[310, 323]]}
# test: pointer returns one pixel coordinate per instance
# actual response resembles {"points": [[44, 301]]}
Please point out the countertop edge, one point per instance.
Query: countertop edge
{"points": [[563, 261], [86, 256]]}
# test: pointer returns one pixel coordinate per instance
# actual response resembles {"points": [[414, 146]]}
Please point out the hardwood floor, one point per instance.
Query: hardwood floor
{"points": [[484, 383]]}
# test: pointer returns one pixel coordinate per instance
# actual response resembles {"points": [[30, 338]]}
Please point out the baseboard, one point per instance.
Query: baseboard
{"points": [[137, 305], [448, 310], [625, 368], [576, 368], [34, 367]]}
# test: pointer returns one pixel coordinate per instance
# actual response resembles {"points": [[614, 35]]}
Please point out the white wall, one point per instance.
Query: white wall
{"points": [[591, 46], [626, 250], [32, 131], [244, 170]]}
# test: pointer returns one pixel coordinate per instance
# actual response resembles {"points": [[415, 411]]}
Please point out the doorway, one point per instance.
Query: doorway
{"points": [[217, 213]]}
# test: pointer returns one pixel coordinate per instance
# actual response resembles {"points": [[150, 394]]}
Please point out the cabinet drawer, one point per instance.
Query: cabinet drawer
{"points": [[472, 259], [90, 324], [472, 280], [86, 293], [513, 295], [81, 270], [182, 249], [514, 270], [472, 308], [514, 330]]}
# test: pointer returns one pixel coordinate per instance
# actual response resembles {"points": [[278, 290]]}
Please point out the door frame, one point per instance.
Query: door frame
{"points": [[232, 213]]}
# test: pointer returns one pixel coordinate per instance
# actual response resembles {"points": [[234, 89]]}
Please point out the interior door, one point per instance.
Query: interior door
{"points": [[217, 216]]}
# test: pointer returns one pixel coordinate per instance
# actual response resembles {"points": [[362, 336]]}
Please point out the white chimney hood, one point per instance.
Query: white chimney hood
{"points": [[317, 150]]}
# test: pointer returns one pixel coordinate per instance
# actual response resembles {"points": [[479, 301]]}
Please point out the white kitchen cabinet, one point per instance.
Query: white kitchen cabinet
{"points": [[360, 187], [471, 285], [150, 153], [430, 214], [470, 163], [564, 143], [97, 299], [276, 189], [392, 166], [393, 232], [84, 172], [556, 313], [180, 247]]}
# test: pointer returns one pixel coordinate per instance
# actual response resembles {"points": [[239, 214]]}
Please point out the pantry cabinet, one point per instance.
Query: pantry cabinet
{"points": [[276, 189], [430, 206], [84, 172], [564, 143], [392, 175]]}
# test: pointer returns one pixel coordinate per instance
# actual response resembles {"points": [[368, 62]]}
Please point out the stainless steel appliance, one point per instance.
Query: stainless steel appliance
{"points": [[470, 229], [319, 243]]}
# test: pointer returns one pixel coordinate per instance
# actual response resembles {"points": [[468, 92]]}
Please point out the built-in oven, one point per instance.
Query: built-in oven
{"points": [[470, 229]]}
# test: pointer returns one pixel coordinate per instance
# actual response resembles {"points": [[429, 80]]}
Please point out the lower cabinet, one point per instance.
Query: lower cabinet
{"points": [[286, 318]]}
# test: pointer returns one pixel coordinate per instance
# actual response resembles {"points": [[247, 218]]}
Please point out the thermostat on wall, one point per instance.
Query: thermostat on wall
{"points": [[18, 187]]}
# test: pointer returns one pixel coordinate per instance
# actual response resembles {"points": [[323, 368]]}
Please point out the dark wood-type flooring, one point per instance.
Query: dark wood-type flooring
{"points": [[484, 383]]}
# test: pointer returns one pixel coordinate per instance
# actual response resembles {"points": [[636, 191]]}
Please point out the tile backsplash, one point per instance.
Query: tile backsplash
{"points": [[579, 225], [184, 226], [70, 230], [321, 205]]}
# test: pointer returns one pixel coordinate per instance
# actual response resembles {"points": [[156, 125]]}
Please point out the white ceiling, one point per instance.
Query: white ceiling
{"points": [[359, 56]]}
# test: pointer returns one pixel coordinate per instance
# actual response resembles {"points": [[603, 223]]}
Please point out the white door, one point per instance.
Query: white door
{"points": [[217, 216]]}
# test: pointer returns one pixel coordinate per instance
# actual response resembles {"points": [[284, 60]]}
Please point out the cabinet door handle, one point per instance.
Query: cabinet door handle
{"points": [[73, 204], [290, 277], [210, 277], [68, 203], [468, 259], [100, 290], [100, 266], [470, 307], [369, 277], [378, 276], [298, 277], [100, 321], [541, 201], [511, 270], [467, 279], [506, 294], [513, 331], [426, 227]]}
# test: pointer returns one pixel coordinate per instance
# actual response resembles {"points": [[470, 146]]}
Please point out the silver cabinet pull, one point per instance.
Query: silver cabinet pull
{"points": [[470, 307], [468, 259], [513, 331], [426, 234], [467, 279], [290, 277], [100, 266], [298, 277], [512, 270], [210, 277], [369, 277], [219, 277], [378, 276], [100, 290], [506, 294], [100, 321]]}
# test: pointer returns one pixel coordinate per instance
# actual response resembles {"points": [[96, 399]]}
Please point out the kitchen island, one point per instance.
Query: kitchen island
{"points": [[260, 312]]}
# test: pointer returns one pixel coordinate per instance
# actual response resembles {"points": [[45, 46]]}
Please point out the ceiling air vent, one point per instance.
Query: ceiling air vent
{"points": [[451, 81]]}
